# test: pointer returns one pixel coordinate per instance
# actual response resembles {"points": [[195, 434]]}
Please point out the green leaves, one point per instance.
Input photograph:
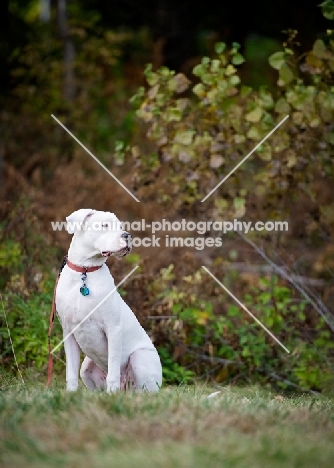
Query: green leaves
{"points": [[220, 47], [319, 49], [266, 99], [237, 59], [234, 80], [184, 137], [218, 76], [204, 135], [10, 254], [151, 77], [327, 8], [254, 134], [282, 106], [276, 60], [173, 114], [239, 206], [230, 70], [265, 152], [285, 75], [199, 90], [254, 115]]}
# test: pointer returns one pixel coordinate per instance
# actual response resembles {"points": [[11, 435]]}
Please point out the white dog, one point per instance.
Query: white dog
{"points": [[119, 353]]}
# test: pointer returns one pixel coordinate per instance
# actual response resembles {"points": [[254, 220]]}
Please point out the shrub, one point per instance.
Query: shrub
{"points": [[216, 339], [27, 289], [201, 129]]}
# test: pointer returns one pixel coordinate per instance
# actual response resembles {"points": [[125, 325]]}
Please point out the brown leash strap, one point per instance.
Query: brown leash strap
{"points": [[51, 323]]}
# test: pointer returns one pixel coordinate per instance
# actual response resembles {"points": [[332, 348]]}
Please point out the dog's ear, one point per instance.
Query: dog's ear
{"points": [[77, 218]]}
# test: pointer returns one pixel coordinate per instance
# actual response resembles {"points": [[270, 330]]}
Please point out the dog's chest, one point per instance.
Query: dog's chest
{"points": [[74, 308]]}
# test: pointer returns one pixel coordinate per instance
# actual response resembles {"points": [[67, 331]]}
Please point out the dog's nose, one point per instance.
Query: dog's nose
{"points": [[126, 235]]}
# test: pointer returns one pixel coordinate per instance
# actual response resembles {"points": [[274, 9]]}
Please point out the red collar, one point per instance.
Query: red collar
{"points": [[81, 269]]}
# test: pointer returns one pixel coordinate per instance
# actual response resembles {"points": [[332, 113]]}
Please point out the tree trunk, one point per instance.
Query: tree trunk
{"points": [[174, 28], [45, 10], [69, 53], [2, 181]]}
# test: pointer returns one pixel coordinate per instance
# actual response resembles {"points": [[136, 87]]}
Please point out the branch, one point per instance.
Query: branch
{"points": [[321, 309], [241, 266], [288, 382], [212, 359]]}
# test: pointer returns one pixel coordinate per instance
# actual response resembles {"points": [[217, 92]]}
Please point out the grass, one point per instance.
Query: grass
{"points": [[178, 428]]}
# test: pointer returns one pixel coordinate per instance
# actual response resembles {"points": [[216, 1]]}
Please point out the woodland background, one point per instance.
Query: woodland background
{"points": [[170, 96]]}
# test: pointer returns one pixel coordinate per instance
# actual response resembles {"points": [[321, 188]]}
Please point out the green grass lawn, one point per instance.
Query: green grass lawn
{"points": [[178, 427]]}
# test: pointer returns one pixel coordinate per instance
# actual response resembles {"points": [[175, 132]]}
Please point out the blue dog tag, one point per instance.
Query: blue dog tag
{"points": [[84, 290]]}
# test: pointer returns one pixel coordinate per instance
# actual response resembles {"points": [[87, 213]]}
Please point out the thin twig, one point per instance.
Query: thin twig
{"points": [[241, 266], [217, 360], [59, 359], [282, 272], [307, 288], [212, 359], [161, 317], [10, 339], [288, 382]]}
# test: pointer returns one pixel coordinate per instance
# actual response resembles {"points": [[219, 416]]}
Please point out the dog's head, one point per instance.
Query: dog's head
{"points": [[101, 232]]}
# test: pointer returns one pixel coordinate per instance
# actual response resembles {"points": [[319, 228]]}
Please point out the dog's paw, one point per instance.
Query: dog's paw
{"points": [[113, 388], [71, 386]]}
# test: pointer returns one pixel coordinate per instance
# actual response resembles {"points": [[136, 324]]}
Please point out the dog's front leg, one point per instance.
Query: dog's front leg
{"points": [[72, 352], [114, 335]]}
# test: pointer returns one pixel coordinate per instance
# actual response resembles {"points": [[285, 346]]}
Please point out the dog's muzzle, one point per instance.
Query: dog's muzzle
{"points": [[124, 250], [127, 249]]}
